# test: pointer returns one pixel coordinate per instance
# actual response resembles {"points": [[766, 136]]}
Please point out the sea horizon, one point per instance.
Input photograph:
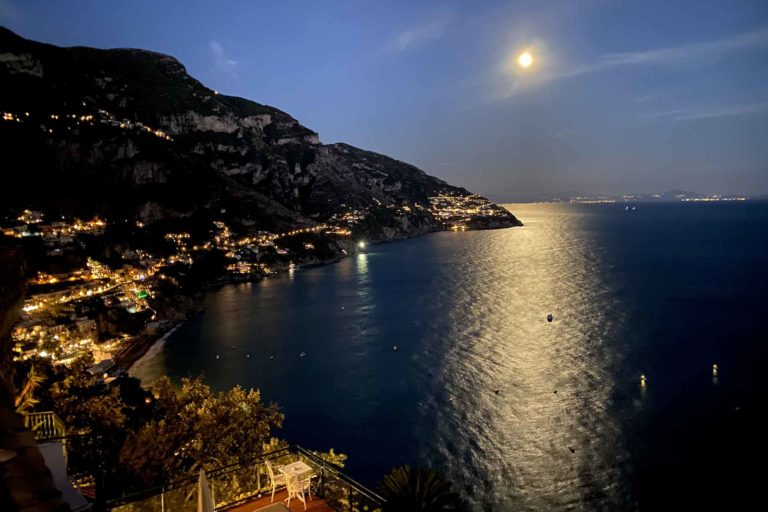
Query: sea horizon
{"points": [[438, 407]]}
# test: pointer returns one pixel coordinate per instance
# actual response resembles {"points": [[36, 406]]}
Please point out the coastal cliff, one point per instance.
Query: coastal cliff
{"points": [[133, 189], [129, 134]]}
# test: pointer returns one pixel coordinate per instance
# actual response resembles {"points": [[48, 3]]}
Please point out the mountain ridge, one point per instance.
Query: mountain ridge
{"points": [[129, 133]]}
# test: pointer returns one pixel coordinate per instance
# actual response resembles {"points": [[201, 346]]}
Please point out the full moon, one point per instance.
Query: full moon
{"points": [[525, 60]]}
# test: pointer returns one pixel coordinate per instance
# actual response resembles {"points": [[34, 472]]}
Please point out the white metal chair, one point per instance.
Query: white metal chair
{"points": [[276, 480], [297, 487], [306, 482]]}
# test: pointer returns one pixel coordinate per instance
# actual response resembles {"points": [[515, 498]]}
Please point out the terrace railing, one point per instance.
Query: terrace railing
{"points": [[339, 491], [45, 425], [240, 483]]}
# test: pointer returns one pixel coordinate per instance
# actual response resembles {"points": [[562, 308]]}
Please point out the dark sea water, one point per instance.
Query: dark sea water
{"points": [[520, 413]]}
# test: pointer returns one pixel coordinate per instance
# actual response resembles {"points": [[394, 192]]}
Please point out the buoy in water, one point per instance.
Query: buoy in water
{"points": [[642, 380], [714, 370], [394, 348], [550, 317]]}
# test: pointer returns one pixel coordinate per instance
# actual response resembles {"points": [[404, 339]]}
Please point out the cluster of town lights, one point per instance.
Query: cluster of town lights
{"points": [[132, 286], [101, 116]]}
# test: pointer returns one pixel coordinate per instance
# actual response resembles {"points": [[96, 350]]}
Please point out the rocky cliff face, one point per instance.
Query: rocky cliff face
{"points": [[129, 134]]}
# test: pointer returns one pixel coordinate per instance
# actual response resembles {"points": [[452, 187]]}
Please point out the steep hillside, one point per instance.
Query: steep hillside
{"points": [[129, 134]]}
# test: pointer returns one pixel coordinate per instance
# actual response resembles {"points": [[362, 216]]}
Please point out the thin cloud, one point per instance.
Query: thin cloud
{"points": [[430, 30], [712, 112], [694, 54], [685, 54], [8, 13], [221, 60], [644, 98]]}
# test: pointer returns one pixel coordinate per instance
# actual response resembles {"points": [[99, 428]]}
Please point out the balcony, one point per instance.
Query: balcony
{"points": [[247, 488], [316, 504], [45, 425]]}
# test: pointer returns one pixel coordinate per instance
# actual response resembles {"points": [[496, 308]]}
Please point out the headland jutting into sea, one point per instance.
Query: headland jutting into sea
{"points": [[134, 188]]}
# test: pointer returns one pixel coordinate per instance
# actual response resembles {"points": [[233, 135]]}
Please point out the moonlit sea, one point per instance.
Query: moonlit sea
{"points": [[520, 413]]}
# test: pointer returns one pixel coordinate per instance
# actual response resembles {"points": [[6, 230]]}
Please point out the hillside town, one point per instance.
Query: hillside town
{"points": [[112, 308]]}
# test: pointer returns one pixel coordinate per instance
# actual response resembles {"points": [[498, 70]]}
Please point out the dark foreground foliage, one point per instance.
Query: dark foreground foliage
{"points": [[411, 489], [130, 438]]}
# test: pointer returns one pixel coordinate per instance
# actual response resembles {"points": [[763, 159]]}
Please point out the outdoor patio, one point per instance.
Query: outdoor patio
{"points": [[263, 504], [248, 488]]}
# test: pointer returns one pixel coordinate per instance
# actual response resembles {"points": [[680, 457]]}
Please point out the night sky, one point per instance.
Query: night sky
{"points": [[622, 97]]}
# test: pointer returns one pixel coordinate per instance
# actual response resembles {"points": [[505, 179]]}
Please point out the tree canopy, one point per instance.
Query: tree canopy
{"points": [[130, 438]]}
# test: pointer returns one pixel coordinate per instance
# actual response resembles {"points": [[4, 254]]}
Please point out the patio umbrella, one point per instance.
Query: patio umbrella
{"points": [[204, 496]]}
